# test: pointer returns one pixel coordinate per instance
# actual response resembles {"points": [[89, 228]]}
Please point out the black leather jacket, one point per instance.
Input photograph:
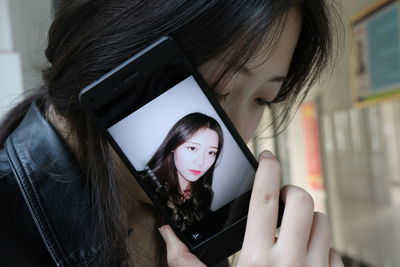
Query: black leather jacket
{"points": [[45, 219]]}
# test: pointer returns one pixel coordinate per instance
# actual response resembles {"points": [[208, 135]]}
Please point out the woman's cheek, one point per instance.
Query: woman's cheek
{"points": [[251, 122], [210, 162]]}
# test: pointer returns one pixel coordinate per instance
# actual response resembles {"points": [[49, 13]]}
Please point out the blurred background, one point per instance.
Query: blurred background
{"points": [[343, 144]]}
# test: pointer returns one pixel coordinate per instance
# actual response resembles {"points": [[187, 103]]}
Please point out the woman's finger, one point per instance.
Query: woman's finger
{"points": [[178, 255], [334, 259], [264, 204], [296, 222], [319, 241]]}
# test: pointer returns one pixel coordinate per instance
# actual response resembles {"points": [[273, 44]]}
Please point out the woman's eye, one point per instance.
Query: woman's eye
{"points": [[262, 102], [213, 153], [191, 148]]}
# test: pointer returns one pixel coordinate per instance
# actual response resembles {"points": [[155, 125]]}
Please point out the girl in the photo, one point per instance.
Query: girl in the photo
{"points": [[184, 163]]}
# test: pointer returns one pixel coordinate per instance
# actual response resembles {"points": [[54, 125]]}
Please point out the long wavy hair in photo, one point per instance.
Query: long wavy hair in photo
{"points": [[185, 212]]}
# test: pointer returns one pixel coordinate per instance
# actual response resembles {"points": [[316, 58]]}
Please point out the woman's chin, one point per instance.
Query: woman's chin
{"points": [[192, 178]]}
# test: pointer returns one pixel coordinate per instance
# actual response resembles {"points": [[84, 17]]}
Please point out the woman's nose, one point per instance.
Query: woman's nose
{"points": [[199, 160]]}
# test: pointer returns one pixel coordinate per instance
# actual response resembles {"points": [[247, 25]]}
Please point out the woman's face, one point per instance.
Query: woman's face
{"points": [[194, 157], [247, 89]]}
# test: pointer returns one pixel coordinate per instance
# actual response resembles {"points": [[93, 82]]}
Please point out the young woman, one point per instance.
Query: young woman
{"points": [[67, 199], [184, 163]]}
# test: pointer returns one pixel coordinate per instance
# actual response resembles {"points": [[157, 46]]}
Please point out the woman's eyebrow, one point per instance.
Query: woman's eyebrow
{"points": [[193, 143], [200, 144], [249, 72]]}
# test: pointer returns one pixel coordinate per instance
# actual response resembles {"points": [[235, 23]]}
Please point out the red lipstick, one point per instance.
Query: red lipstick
{"points": [[195, 172]]}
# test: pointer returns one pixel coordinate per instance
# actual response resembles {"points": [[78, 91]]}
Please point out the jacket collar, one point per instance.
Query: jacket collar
{"points": [[54, 190]]}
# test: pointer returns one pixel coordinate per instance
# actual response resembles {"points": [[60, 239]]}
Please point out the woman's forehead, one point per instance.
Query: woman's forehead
{"points": [[204, 136]]}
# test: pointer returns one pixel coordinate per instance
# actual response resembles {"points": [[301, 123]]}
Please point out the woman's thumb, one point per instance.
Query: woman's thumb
{"points": [[177, 252], [171, 240]]}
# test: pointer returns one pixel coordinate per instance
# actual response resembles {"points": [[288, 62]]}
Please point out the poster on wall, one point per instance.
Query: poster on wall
{"points": [[375, 59], [309, 119]]}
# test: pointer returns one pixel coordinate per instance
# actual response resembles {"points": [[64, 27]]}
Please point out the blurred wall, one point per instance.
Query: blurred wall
{"points": [[10, 61], [23, 27], [361, 159], [30, 21], [6, 42]]}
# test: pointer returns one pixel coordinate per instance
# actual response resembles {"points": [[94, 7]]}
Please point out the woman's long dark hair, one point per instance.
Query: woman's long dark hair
{"points": [[186, 212], [89, 37]]}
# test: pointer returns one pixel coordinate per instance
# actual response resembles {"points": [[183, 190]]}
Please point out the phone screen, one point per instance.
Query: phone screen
{"points": [[183, 154]]}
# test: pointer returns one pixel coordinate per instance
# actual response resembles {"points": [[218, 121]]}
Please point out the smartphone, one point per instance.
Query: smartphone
{"points": [[167, 126]]}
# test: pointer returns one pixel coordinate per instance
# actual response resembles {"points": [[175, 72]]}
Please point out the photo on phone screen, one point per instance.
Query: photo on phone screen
{"points": [[184, 153]]}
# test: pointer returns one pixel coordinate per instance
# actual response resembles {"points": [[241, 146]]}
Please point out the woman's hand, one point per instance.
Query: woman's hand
{"points": [[178, 255], [304, 238]]}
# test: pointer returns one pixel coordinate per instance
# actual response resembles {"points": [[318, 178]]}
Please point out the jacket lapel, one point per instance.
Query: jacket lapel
{"points": [[54, 189]]}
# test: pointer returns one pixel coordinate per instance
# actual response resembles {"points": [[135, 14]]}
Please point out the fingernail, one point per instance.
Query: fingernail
{"points": [[161, 230], [267, 154]]}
